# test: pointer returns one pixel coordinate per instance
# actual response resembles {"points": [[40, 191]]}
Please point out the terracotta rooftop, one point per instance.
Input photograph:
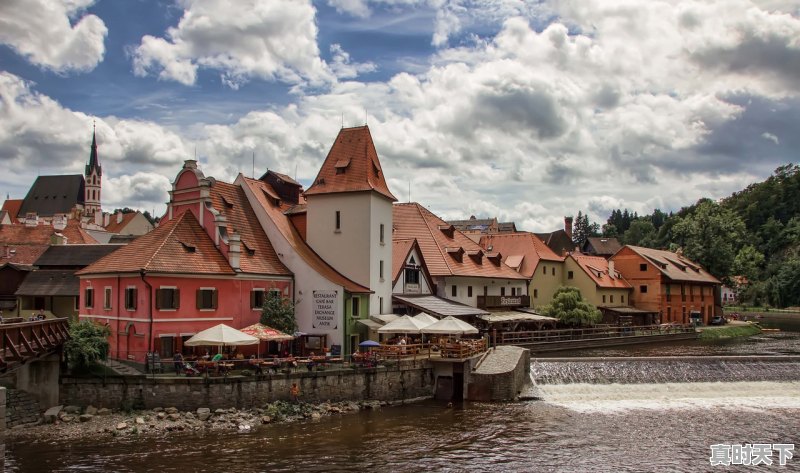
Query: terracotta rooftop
{"points": [[12, 206], [521, 250], [21, 234], [447, 251], [352, 165], [558, 241], [260, 190], [179, 245], [114, 227], [596, 267], [21, 255], [258, 255], [400, 250], [674, 266]]}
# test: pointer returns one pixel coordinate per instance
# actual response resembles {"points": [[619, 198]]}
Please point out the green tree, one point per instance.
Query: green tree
{"points": [[640, 233], [569, 307], [278, 313], [88, 343], [712, 236], [784, 286], [610, 230], [748, 263], [582, 229]]}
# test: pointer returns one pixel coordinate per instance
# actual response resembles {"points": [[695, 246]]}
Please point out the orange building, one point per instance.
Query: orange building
{"points": [[668, 283]]}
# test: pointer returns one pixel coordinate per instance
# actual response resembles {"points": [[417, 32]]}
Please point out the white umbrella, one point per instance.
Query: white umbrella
{"points": [[425, 319], [221, 335], [450, 325], [404, 324]]}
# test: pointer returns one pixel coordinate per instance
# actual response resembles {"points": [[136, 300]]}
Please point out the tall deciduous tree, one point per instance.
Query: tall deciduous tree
{"points": [[711, 236], [569, 307], [640, 233], [278, 313]]}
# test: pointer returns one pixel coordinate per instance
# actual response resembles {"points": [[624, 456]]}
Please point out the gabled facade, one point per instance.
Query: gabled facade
{"points": [[531, 258], [132, 223], [460, 270], [601, 246], [598, 280], [207, 263], [409, 273], [328, 305], [667, 283]]}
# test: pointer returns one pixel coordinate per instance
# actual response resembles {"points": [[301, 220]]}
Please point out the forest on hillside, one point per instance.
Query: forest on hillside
{"points": [[749, 240]]}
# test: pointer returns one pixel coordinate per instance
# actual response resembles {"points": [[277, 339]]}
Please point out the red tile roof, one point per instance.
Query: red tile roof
{"points": [[596, 267], [231, 201], [447, 251], [400, 250], [179, 245], [352, 165], [12, 206], [21, 254], [21, 234], [673, 265], [114, 227], [522, 250], [260, 189]]}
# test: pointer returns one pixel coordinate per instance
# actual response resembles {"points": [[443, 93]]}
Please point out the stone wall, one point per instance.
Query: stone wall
{"points": [[20, 408], [501, 375], [405, 381], [2, 429]]}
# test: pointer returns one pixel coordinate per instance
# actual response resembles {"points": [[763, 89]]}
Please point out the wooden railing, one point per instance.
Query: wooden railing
{"points": [[546, 336], [24, 341]]}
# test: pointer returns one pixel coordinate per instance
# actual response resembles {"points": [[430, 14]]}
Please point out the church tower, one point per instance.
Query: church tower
{"points": [[94, 174]]}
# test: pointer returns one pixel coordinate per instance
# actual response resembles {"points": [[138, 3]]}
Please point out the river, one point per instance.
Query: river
{"points": [[576, 427]]}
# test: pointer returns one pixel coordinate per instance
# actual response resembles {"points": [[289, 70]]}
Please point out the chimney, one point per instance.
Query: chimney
{"points": [[234, 250], [31, 219], [568, 226], [119, 217], [106, 219], [611, 272]]}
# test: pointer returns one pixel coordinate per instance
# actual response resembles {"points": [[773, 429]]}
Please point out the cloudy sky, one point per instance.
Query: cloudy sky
{"points": [[527, 111]]}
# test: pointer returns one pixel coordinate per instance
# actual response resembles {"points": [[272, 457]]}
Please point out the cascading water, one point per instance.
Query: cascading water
{"points": [[667, 383]]}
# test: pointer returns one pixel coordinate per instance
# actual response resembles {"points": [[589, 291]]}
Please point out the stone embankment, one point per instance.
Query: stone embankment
{"points": [[21, 408], [71, 422]]}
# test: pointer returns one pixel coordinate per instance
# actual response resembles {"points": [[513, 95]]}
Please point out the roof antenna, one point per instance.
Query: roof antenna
{"points": [[342, 119], [295, 172], [254, 165]]}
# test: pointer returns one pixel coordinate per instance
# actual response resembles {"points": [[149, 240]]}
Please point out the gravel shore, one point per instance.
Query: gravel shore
{"points": [[73, 423]]}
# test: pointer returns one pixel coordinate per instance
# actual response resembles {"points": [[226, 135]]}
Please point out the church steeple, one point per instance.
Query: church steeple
{"points": [[93, 161], [93, 177]]}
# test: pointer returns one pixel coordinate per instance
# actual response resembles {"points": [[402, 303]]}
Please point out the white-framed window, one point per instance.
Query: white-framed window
{"points": [[88, 297], [168, 298], [206, 298], [130, 298], [257, 298]]}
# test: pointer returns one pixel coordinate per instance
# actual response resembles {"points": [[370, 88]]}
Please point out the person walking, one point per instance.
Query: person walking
{"points": [[178, 361]]}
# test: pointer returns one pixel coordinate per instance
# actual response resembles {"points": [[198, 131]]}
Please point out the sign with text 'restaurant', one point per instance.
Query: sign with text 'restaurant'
{"points": [[324, 307]]}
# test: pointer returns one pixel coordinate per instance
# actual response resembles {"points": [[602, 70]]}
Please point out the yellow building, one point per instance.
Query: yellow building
{"points": [[600, 284]]}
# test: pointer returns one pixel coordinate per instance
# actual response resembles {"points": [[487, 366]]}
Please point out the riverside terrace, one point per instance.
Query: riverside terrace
{"points": [[442, 348]]}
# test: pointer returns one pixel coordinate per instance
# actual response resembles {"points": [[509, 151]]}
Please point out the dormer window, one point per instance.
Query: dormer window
{"points": [[189, 248], [456, 252], [448, 230], [341, 165], [250, 251], [226, 203]]}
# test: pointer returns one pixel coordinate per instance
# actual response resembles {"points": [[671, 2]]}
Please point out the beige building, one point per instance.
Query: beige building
{"points": [[600, 284], [529, 256]]}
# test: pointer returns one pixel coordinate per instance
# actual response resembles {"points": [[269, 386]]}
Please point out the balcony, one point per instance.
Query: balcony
{"points": [[491, 302]]}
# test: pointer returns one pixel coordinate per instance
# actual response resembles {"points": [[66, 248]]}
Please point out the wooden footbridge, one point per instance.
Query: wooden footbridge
{"points": [[22, 342]]}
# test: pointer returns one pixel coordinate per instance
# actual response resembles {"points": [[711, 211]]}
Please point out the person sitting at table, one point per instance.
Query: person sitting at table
{"points": [[254, 364], [217, 358], [206, 356]]}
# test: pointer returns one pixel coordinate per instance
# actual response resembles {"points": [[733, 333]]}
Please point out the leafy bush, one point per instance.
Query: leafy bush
{"points": [[570, 308], [87, 344]]}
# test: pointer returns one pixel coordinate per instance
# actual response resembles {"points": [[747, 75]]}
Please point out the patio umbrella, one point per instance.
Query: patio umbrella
{"points": [[265, 333], [404, 324], [425, 319], [369, 343], [450, 325], [221, 335]]}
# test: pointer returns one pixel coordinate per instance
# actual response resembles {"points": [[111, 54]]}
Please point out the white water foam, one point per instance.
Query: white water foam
{"points": [[748, 395]]}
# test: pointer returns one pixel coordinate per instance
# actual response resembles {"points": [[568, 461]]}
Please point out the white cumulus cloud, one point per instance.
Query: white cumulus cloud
{"points": [[53, 34]]}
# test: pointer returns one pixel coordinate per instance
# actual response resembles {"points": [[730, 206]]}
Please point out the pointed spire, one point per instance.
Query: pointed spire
{"points": [[94, 163]]}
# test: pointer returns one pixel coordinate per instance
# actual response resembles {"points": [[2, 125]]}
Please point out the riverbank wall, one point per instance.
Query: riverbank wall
{"points": [[404, 381]]}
